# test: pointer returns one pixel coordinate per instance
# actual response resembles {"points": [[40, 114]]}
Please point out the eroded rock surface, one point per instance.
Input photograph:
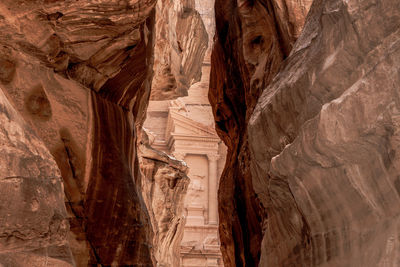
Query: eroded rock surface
{"points": [[312, 129], [164, 186], [328, 168], [179, 49], [33, 218], [252, 39], [318, 165], [79, 73]]}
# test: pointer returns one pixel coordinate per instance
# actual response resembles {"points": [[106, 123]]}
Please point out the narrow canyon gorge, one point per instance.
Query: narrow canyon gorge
{"points": [[199, 133]]}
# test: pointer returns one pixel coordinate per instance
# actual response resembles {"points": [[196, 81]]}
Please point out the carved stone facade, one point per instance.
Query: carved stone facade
{"points": [[184, 128]]}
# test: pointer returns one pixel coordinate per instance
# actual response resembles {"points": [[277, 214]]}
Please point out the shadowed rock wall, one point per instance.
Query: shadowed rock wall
{"points": [[312, 168], [252, 39], [317, 144], [327, 170]]}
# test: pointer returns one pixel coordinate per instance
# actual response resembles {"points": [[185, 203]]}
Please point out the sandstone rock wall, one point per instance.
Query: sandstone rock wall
{"points": [[328, 169], [252, 39], [180, 46], [79, 73], [312, 129], [164, 186], [33, 219], [179, 49], [318, 142]]}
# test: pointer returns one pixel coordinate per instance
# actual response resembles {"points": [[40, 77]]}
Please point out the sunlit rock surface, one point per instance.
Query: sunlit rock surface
{"points": [[164, 186], [79, 73], [328, 167], [179, 49], [184, 128]]}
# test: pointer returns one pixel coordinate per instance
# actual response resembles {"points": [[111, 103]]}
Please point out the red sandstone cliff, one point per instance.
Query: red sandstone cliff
{"points": [[312, 164], [79, 74], [312, 128], [252, 40]]}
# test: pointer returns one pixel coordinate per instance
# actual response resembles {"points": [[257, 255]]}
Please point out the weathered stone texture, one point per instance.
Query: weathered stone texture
{"points": [[252, 39], [164, 186], [179, 49], [79, 73], [33, 219], [312, 129], [327, 170], [318, 151]]}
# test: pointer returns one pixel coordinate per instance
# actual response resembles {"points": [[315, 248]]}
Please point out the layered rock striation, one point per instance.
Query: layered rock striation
{"points": [[317, 144], [328, 168], [73, 70], [252, 39], [311, 126], [79, 74], [164, 186], [179, 49]]}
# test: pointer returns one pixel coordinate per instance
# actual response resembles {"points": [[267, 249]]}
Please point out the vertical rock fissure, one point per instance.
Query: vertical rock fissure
{"points": [[319, 161], [247, 55], [310, 118], [69, 159]]}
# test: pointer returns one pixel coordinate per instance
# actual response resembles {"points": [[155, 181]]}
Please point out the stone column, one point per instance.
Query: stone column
{"points": [[212, 188]]}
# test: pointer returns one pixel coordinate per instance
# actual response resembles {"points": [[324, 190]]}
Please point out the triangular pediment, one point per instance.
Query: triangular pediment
{"points": [[181, 124]]}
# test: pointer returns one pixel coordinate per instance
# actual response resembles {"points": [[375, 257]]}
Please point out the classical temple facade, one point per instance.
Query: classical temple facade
{"points": [[184, 128]]}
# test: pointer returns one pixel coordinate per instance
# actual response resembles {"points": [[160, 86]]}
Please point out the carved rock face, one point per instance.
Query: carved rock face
{"points": [[312, 129]]}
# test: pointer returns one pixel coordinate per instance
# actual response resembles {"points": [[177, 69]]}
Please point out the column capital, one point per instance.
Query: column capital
{"points": [[213, 156]]}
